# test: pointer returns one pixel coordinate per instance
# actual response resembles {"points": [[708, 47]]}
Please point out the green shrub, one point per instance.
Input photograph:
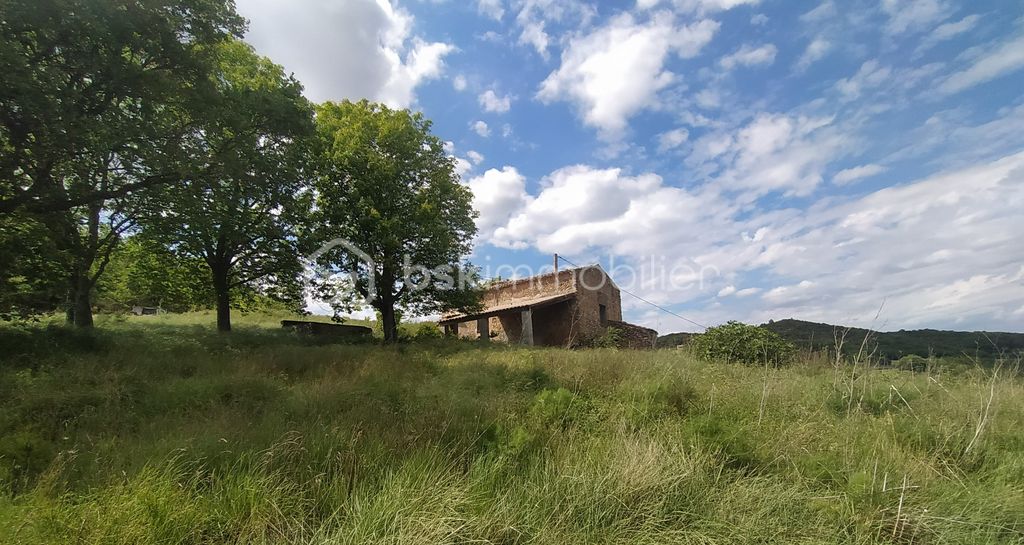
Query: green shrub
{"points": [[742, 343], [611, 338], [912, 362]]}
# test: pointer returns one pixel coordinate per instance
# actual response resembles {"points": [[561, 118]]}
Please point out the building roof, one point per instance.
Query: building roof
{"points": [[538, 300], [517, 304]]}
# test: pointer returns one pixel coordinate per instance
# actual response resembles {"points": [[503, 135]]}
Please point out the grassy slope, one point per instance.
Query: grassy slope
{"points": [[161, 431]]}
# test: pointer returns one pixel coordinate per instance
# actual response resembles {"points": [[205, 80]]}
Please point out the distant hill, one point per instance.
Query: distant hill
{"points": [[673, 340], [889, 345]]}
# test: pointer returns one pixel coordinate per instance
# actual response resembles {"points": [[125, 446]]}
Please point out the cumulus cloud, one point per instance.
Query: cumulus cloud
{"points": [[582, 206], [618, 69], [475, 156], [491, 102], [497, 195], [481, 128], [849, 175], [355, 49], [749, 56]]}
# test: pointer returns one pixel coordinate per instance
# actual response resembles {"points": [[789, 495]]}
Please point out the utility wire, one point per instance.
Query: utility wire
{"points": [[655, 305]]}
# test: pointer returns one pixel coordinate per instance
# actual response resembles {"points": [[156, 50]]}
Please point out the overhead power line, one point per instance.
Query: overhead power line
{"points": [[655, 305]]}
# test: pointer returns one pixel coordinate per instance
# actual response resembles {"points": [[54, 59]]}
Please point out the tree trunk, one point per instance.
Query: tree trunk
{"points": [[82, 303], [388, 322], [222, 288]]}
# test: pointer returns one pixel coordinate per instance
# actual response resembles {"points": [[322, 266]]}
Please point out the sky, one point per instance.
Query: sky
{"points": [[854, 162]]}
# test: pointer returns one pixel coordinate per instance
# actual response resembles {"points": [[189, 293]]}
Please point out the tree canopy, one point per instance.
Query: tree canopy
{"points": [[90, 80], [242, 217], [390, 192]]}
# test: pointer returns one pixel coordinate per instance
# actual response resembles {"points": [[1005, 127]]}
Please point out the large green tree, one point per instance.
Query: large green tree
{"points": [[112, 83], [391, 211], [102, 99], [244, 217]]}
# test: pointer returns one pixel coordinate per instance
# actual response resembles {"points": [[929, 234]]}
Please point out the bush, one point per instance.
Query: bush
{"points": [[739, 342], [611, 338]]}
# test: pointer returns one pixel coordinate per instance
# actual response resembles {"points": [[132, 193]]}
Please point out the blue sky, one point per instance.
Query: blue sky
{"points": [[728, 159]]}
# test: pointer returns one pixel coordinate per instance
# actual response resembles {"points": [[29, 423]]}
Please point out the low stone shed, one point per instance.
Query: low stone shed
{"points": [[569, 307]]}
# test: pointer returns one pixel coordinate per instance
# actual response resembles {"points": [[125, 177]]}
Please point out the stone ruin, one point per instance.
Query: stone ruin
{"points": [[570, 307]]}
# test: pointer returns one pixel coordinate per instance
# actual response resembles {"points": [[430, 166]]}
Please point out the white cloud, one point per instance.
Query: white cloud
{"points": [[824, 11], [949, 30], [672, 139], [355, 49], [727, 291], [491, 8], [711, 6], [475, 156], [1003, 59], [497, 195], [747, 292], [533, 34], [618, 69], [816, 50], [759, 19], [462, 167], [849, 175], [481, 128], [914, 15], [772, 153], [459, 83], [749, 56], [534, 15], [491, 102], [870, 75]]}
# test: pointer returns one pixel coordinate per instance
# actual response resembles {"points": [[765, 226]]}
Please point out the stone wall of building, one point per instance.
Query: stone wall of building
{"points": [[595, 289], [634, 336], [524, 289]]}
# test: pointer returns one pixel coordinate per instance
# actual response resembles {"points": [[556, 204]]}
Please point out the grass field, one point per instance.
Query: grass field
{"points": [[158, 430]]}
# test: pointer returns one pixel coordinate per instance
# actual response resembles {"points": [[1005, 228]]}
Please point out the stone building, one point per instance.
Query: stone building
{"points": [[570, 307]]}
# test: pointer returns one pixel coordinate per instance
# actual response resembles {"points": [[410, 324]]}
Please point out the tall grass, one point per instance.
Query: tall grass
{"points": [[161, 431]]}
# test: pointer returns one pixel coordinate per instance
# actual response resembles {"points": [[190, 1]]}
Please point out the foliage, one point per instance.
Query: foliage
{"points": [[243, 218], [167, 432], [145, 272], [742, 343], [387, 187], [611, 337], [31, 268], [99, 96]]}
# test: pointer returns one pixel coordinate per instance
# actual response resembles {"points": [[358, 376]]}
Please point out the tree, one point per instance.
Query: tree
{"points": [[112, 83], [391, 211], [101, 100], [32, 268], [244, 216], [144, 272]]}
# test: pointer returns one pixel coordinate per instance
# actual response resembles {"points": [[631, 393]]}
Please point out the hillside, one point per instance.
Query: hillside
{"points": [[163, 431], [888, 345]]}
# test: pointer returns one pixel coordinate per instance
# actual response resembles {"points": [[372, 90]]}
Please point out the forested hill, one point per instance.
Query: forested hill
{"points": [[890, 345]]}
